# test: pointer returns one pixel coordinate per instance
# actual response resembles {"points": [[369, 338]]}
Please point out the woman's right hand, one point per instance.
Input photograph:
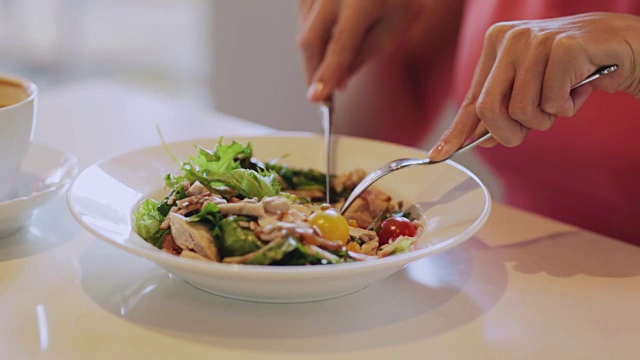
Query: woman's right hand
{"points": [[524, 76], [338, 36]]}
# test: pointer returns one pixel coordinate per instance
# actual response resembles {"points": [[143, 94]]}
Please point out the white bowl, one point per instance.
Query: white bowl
{"points": [[456, 204]]}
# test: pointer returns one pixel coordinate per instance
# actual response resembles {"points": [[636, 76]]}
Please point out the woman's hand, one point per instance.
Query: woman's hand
{"points": [[524, 75], [338, 36]]}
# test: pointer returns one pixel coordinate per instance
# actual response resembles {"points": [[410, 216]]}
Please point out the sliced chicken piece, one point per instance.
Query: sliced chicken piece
{"points": [[362, 234], [247, 208], [197, 199], [167, 220], [359, 212], [369, 248], [298, 216], [276, 204], [268, 220], [190, 208], [310, 238], [348, 180], [301, 208], [193, 236], [197, 189], [377, 200]]}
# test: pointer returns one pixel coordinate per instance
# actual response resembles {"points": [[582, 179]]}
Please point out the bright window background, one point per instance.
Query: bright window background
{"points": [[163, 45]]}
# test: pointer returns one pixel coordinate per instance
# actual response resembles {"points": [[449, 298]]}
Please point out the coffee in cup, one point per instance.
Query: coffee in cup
{"points": [[17, 121]]}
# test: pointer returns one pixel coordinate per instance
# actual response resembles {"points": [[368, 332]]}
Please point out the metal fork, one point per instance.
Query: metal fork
{"points": [[403, 163]]}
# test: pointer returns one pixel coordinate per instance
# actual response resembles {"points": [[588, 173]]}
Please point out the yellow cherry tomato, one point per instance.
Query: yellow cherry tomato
{"points": [[331, 225]]}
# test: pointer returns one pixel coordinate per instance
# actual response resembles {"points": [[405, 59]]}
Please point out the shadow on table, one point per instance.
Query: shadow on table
{"points": [[430, 297], [42, 233], [571, 253]]}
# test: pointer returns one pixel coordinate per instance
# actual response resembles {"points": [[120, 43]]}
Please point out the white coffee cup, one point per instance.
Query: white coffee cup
{"points": [[17, 122]]}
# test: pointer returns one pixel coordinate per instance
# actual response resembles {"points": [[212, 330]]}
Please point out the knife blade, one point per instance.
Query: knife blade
{"points": [[327, 111]]}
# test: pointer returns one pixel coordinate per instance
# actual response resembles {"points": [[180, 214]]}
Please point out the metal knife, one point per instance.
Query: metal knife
{"points": [[327, 111]]}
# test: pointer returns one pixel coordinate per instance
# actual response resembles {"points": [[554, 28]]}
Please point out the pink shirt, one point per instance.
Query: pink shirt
{"points": [[585, 170]]}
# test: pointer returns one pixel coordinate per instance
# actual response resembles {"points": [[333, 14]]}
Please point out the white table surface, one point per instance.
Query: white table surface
{"points": [[525, 287]]}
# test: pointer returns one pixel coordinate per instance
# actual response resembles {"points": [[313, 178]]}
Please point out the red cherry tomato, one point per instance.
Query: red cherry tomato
{"points": [[395, 227]]}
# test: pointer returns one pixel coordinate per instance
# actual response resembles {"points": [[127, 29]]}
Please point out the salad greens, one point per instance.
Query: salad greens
{"points": [[236, 240], [148, 218], [275, 251], [220, 169], [227, 206], [308, 179]]}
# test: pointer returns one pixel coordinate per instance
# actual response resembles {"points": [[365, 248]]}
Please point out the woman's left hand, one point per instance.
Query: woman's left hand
{"points": [[337, 37]]}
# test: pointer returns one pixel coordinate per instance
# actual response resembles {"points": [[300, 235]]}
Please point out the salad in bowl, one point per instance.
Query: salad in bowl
{"points": [[227, 206], [220, 213]]}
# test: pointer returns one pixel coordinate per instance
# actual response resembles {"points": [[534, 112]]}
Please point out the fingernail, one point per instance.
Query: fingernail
{"points": [[436, 152], [315, 91]]}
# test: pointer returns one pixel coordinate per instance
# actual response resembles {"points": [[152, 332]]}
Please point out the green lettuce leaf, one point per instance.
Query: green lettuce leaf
{"points": [[401, 245], [210, 211], [223, 158], [147, 218], [235, 150], [298, 179], [273, 252], [249, 183], [157, 238], [236, 240], [221, 170], [178, 193]]}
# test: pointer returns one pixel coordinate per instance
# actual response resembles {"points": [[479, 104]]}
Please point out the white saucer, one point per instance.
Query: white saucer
{"points": [[45, 173]]}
